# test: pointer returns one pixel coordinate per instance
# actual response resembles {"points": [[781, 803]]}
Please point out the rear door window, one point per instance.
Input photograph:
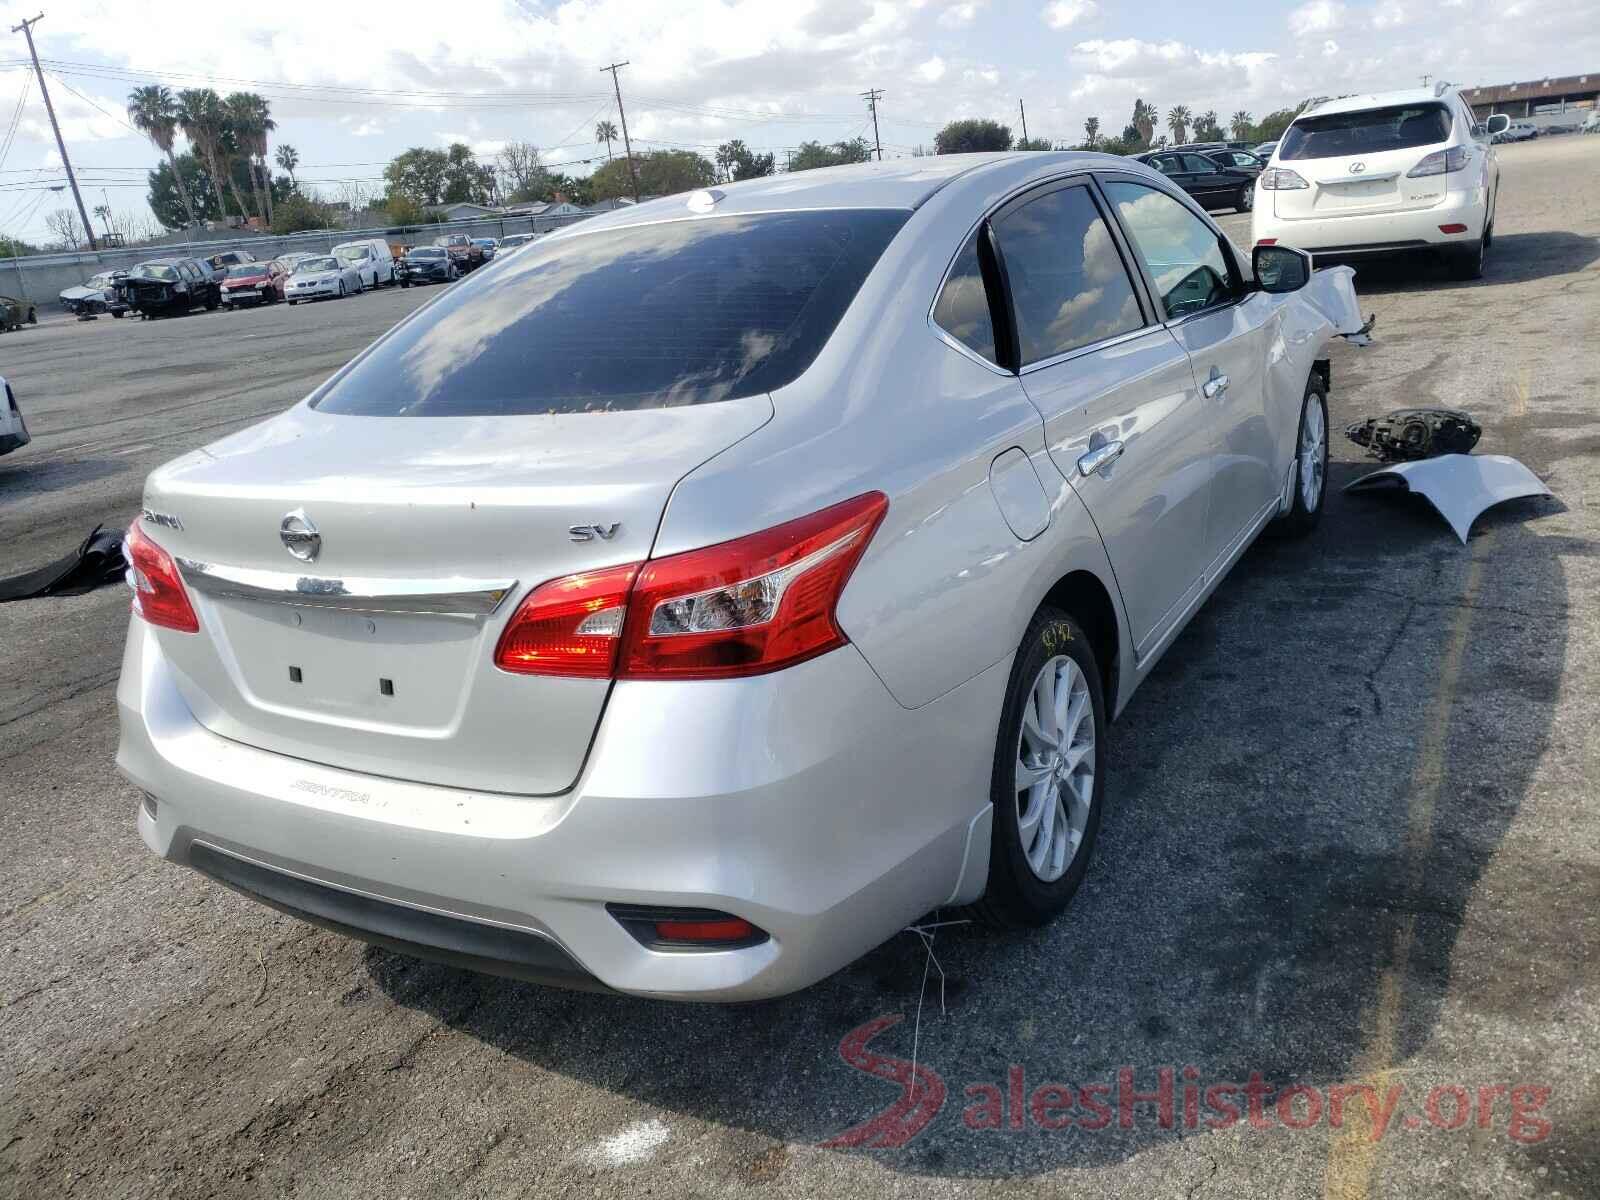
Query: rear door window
{"points": [[1068, 284], [1199, 165], [651, 316], [1370, 131], [962, 309]]}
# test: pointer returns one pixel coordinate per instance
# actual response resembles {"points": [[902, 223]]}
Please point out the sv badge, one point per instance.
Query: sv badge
{"points": [[587, 533]]}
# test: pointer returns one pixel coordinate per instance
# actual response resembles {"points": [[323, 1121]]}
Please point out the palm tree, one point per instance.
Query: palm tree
{"points": [[200, 116], [1091, 132], [606, 132], [1240, 123], [1178, 122], [246, 126], [1144, 120], [288, 158], [1206, 128], [154, 113]]}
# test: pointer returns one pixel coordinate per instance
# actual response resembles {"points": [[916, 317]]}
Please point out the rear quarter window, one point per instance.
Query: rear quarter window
{"points": [[1370, 131], [653, 316]]}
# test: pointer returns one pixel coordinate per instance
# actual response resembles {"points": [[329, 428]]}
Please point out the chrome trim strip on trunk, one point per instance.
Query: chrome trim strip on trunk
{"points": [[450, 597]]}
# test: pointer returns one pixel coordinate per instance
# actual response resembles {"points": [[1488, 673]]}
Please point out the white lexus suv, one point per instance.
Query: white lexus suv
{"points": [[1383, 174]]}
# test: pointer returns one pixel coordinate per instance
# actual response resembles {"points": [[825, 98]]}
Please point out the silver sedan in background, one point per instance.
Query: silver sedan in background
{"points": [[320, 277], [684, 604]]}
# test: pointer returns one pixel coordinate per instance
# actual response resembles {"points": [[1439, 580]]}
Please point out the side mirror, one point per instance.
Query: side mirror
{"points": [[1280, 269], [1498, 123]]}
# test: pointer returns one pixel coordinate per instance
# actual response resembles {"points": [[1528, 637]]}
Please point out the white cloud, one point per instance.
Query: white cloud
{"points": [[958, 15], [1317, 16], [1330, 48], [1388, 15], [931, 71], [1063, 14]]}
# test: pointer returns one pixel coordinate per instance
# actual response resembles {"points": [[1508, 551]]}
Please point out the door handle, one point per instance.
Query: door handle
{"points": [[1215, 386], [1100, 456]]}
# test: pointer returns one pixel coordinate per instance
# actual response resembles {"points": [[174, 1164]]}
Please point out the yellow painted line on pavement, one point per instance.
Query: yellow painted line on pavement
{"points": [[1352, 1149]]}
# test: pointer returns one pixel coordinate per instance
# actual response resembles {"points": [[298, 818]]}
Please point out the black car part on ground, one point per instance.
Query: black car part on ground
{"points": [[95, 563], [1409, 434]]}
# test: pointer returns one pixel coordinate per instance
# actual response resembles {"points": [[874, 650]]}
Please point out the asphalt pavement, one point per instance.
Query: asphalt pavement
{"points": [[1349, 867]]}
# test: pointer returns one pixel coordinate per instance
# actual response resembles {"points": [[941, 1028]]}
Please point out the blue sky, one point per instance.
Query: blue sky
{"points": [[772, 72]]}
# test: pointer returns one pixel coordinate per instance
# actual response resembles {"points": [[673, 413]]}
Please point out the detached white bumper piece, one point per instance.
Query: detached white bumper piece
{"points": [[1460, 486]]}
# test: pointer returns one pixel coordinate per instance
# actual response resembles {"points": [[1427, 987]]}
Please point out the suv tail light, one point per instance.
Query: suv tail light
{"points": [[158, 592], [745, 607], [1440, 162], [1281, 179]]}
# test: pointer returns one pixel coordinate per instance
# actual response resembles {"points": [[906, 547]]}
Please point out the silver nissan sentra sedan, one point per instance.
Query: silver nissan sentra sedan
{"points": [[686, 603]]}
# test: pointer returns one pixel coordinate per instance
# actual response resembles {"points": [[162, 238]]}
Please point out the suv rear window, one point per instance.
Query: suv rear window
{"points": [[1370, 131], [653, 316]]}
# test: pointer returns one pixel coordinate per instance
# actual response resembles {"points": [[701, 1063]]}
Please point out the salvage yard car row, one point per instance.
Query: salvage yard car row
{"points": [[237, 279]]}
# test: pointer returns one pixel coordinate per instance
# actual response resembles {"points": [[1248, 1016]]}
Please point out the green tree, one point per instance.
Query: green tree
{"points": [[11, 247], [297, 211], [418, 175], [972, 135], [250, 123], [1239, 123], [288, 158], [1206, 128], [605, 132], [738, 161], [203, 120], [1038, 143], [154, 113], [465, 179], [166, 192], [1091, 133], [811, 155], [1144, 122], [1178, 122], [1271, 127], [661, 173]]}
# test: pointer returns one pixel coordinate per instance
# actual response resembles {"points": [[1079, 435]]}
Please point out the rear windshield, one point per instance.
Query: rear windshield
{"points": [[155, 270], [654, 316], [1369, 131]]}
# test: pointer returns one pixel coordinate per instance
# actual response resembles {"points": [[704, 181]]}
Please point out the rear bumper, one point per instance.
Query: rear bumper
{"points": [[807, 802], [1372, 233]]}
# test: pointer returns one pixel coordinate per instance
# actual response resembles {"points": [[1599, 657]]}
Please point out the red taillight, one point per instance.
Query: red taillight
{"points": [[744, 607], [751, 605], [725, 929], [1267, 241], [158, 592], [569, 626], [1452, 229]]}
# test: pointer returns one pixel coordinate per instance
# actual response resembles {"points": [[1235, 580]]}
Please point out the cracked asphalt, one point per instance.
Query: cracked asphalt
{"points": [[1352, 841]]}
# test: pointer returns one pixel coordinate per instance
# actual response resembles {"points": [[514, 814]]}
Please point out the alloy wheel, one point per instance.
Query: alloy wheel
{"points": [[1313, 455], [1055, 767]]}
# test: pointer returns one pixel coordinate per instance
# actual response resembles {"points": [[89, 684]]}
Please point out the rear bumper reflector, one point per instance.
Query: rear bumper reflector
{"points": [[686, 928], [1455, 228]]}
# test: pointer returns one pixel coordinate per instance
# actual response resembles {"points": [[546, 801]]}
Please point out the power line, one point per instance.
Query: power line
{"points": [[26, 29], [872, 96], [16, 118]]}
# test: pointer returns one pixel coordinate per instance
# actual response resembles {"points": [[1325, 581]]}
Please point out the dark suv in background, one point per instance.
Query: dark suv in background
{"points": [[164, 286], [1210, 183]]}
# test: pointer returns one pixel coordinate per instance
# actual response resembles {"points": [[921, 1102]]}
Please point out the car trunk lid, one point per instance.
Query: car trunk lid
{"points": [[376, 653]]}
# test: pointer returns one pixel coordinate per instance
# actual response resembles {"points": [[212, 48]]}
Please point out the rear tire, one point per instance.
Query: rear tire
{"points": [[1466, 262], [1052, 730], [1247, 198], [1310, 484]]}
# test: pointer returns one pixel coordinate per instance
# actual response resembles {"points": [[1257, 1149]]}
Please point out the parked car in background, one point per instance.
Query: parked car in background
{"points": [[13, 429], [513, 240], [488, 246], [462, 250], [253, 283], [320, 277], [1235, 160], [426, 264], [371, 258], [1591, 123], [1211, 184], [1264, 151], [15, 313], [289, 261], [167, 286], [219, 263], [725, 677], [1385, 173], [98, 295], [1517, 131]]}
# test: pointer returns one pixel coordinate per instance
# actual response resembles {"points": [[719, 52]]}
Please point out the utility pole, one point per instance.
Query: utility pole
{"points": [[1024, 114], [26, 29], [872, 96], [788, 158], [627, 146], [1425, 78]]}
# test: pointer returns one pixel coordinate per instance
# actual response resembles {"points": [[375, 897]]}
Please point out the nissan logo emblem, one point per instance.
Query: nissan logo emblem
{"points": [[299, 535]]}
